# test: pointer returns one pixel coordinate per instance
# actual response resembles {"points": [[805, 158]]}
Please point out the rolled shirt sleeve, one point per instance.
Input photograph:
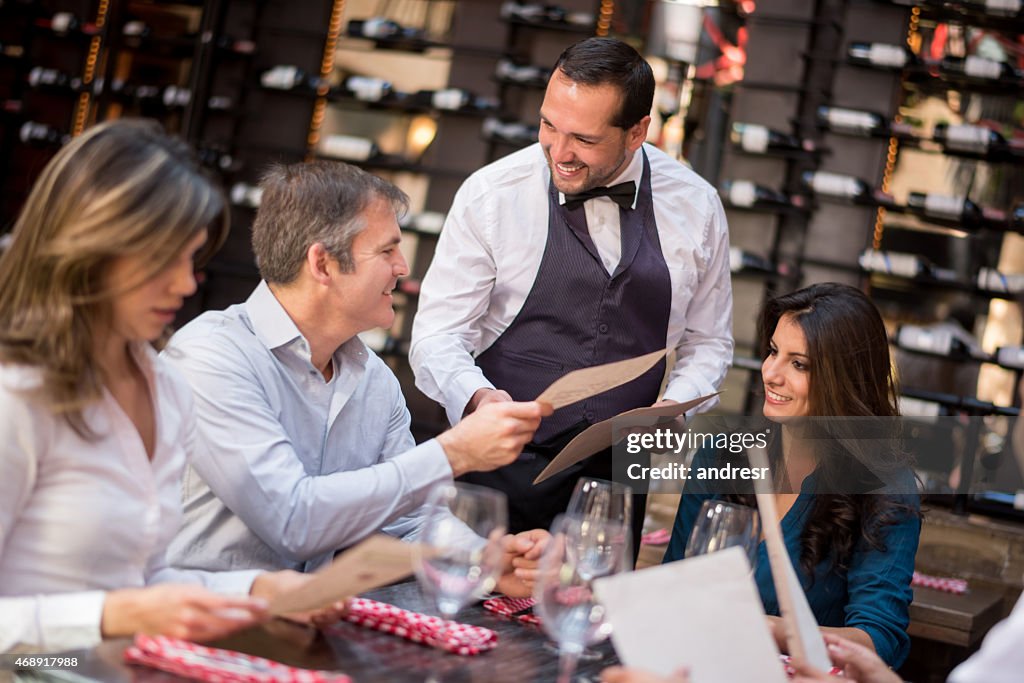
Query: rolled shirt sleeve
{"points": [[878, 585]]}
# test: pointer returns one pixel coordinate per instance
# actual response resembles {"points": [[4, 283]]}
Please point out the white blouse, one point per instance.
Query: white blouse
{"points": [[79, 517]]}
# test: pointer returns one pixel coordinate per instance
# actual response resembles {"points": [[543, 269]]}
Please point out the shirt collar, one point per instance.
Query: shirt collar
{"points": [[634, 171], [275, 328], [270, 322]]}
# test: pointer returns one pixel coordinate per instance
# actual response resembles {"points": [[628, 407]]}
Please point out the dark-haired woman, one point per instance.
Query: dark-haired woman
{"points": [[826, 355]]}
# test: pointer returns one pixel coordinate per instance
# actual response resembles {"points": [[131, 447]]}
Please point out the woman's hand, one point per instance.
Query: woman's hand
{"points": [[778, 631], [178, 611], [858, 663]]}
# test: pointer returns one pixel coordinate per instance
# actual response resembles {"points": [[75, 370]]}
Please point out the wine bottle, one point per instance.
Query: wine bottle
{"points": [[136, 29], [11, 107], [12, 51], [1010, 357], [63, 23], [382, 28], [176, 97], [41, 135], [852, 121], [540, 12], [243, 194], [970, 139], [219, 159], [939, 341], [998, 8], [508, 70], [991, 280], [740, 261], [881, 55], [427, 221], [451, 99], [513, 132], [838, 186], [368, 89], [348, 147], [235, 45], [952, 208], [893, 263], [915, 407], [42, 77], [757, 139], [979, 68], [288, 77], [747, 195]]}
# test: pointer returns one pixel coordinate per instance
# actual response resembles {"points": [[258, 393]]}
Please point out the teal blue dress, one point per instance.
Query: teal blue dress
{"points": [[874, 594]]}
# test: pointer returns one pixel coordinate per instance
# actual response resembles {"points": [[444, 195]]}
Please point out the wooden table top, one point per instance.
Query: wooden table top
{"points": [[368, 655], [955, 619]]}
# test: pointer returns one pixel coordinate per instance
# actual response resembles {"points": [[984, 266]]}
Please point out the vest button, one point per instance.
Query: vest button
{"points": [[589, 415], [602, 328]]}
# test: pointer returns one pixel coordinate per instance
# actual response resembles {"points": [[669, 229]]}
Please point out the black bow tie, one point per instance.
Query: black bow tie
{"points": [[622, 194]]}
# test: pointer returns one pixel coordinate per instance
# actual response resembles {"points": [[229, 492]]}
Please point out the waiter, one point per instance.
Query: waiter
{"points": [[586, 248]]}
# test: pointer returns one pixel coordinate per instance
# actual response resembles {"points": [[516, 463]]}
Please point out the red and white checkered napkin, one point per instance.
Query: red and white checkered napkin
{"points": [[791, 672], [955, 586], [658, 537], [513, 607], [460, 639], [214, 665]]}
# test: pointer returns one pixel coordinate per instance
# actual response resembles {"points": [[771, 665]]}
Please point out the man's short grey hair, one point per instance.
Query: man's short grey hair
{"points": [[316, 201]]}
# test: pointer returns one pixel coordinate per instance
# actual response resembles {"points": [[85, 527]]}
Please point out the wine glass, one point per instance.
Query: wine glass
{"points": [[579, 551], [601, 499], [721, 525], [459, 557]]}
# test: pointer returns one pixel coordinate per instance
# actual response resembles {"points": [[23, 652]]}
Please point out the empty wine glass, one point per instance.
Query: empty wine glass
{"points": [[721, 525], [579, 551], [601, 499], [460, 555]]}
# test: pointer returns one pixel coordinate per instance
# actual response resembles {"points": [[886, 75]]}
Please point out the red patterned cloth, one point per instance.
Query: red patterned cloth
{"points": [[513, 607], [955, 586], [460, 639], [791, 672], [659, 537], [201, 663]]}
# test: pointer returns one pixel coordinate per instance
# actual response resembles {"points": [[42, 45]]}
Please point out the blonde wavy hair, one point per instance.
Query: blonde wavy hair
{"points": [[122, 188]]}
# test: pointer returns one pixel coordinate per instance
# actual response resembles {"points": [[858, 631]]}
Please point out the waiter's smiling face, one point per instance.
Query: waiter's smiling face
{"points": [[583, 147]]}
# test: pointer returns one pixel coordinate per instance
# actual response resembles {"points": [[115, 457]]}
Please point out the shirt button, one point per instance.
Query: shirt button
{"points": [[602, 328], [589, 415]]}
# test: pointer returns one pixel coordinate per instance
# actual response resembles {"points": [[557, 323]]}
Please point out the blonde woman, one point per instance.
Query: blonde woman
{"points": [[94, 427]]}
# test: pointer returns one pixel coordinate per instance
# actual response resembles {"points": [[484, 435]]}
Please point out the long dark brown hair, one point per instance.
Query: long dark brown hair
{"points": [[850, 376]]}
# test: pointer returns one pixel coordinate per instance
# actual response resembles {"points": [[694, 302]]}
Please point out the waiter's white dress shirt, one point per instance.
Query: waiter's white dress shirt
{"points": [[490, 251]]}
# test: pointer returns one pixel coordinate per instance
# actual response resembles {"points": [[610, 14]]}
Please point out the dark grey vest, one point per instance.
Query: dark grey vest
{"points": [[577, 316]]}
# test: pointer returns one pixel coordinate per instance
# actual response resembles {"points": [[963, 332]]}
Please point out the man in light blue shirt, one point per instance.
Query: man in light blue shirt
{"points": [[303, 444]]}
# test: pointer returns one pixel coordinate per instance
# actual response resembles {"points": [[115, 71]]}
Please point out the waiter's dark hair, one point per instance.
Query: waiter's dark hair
{"points": [[600, 61]]}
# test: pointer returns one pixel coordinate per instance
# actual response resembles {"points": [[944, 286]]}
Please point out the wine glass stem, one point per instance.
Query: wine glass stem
{"points": [[566, 666]]}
